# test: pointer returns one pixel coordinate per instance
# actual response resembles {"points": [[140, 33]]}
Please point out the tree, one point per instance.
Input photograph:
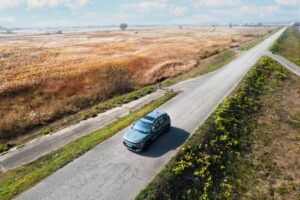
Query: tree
{"points": [[123, 26]]}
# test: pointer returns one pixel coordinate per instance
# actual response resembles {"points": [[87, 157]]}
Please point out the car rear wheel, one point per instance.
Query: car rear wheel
{"points": [[168, 128]]}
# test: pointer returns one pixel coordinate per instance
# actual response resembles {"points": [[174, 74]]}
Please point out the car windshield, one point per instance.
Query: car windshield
{"points": [[142, 126]]}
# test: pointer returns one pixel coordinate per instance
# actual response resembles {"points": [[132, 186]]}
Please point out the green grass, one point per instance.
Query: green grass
{"points": [[294, 120], [288, 45], [216, 62], [222, 59], [118, 101], [202, 168], [256, 41], [286, 189], [3, 147], [22, 178]]}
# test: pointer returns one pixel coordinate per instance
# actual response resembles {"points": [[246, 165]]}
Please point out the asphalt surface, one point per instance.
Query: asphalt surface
{"points": [[285, 62], [45, 144], [110, 171]]}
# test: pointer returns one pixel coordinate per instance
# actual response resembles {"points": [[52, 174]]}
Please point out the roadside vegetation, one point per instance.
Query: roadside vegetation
{"points": [[210, 64], [288, 45], [271, 168], [256, 41], [208, 166], [15, 181]]}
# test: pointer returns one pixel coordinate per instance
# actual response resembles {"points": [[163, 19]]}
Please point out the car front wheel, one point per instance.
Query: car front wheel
{"points": [[147, 145]]}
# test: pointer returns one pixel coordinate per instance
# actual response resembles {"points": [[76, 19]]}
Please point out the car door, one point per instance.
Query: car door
{"points": [[161, 123], [156, 129]]}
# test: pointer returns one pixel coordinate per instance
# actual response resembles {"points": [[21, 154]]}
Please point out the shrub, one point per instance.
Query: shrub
{"points": [[118, 80]]}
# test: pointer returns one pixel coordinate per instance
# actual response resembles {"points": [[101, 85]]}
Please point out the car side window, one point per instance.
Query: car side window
{"points": [[156, 124], [161, 120]]}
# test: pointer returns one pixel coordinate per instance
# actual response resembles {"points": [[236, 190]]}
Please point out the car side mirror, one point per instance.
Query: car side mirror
{"points": [[133, 124]]}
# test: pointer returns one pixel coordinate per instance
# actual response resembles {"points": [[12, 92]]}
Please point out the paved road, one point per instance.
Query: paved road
{"points": [[43, 145], [288, 64], [109, 171]]}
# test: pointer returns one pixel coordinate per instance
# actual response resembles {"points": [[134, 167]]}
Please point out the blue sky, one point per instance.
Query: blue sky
{"points": [[62, 13]]}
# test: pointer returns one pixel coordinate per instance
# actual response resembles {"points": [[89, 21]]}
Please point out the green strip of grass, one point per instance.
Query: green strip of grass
{"points": [[255, 42], [22, 178], [215, 62], [118, 101], [201, 169], [288, 45], [252, 44]]}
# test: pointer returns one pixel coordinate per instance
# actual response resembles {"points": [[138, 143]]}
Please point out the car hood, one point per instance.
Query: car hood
{"points": [[135, 136]]}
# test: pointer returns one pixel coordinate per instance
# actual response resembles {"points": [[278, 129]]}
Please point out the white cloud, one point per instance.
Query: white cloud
{"points": [[176, 10], [247, 10], [42, 3], [71, 4], [159, 7], [7, 20], [216, 3], [8, 3], [145, 5], [258, 10], [288, 2]]}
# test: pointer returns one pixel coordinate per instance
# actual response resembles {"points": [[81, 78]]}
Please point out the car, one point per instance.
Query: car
{"points": [[144, 131]]}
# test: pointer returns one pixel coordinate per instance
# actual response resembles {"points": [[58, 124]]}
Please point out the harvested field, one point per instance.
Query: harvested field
{"points": [[46, 77]]}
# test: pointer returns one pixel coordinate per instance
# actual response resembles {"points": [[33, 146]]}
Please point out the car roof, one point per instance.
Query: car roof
{"points": [[150, 117]]}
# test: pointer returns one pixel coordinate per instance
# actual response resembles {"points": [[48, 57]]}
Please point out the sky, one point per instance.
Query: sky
{"points": [[69, 13]]}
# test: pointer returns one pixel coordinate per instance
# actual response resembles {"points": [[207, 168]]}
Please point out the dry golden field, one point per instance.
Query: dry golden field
{"points": [[45, 77]]}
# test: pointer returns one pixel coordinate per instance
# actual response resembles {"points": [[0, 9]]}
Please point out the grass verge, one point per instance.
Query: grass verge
{"points": [[201, 169], [15, 181], [255, 42], [211, 64], [288, 45]]}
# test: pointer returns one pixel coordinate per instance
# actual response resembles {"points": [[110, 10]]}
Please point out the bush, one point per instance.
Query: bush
{"points": [[3, 148]]}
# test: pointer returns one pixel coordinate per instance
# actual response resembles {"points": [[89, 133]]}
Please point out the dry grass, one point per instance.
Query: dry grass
{"points": [[272, 169], [44, 78], [288, 45]]}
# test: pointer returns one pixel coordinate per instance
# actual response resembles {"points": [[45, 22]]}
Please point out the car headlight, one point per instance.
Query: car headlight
{"points": [[141, 144]]}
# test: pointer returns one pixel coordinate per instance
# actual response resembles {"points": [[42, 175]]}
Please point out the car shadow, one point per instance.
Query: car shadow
{"points": [[166, 142]]}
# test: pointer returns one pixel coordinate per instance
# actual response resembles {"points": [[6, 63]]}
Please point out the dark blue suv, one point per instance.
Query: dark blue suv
{"points": [[146, 130]]}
